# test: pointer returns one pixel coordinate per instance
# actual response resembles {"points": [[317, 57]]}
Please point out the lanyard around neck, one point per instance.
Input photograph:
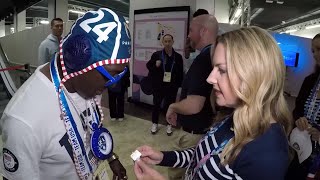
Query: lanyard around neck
{"points": [[163, 60], [77, 144], [216, 150], [311, 105]]}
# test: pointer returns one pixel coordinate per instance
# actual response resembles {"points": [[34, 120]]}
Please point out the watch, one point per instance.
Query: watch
{"points": [[113, 157]]}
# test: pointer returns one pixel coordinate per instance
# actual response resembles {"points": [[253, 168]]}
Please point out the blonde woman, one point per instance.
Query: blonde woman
{"points": [[248, 75]]}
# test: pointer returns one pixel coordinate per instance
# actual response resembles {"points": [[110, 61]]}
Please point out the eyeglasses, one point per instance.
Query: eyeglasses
{"points": [[112, 79]]}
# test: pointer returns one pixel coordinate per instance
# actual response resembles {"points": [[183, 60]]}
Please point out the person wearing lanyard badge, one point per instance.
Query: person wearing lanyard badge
{"points": [[194, 112], [166, 70], [53, 124], [306, 115], [251, 143], [190, 53]]}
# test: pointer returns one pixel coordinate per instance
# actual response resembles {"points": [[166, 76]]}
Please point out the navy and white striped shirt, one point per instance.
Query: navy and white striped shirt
{"points": [[313, 113], [264, 158]]}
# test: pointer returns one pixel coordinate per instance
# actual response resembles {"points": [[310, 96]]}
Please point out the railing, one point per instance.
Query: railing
{"points": [[12, 76], [22, 68]]}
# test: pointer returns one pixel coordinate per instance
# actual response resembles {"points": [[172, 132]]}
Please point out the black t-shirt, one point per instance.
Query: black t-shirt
{"points": [[195, 84]]}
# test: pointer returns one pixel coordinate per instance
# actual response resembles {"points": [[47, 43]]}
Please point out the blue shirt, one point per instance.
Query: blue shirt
{"points": [[264, 158]]}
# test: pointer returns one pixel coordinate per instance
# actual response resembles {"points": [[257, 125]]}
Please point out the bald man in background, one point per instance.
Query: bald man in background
{"points": [[194, 112]]}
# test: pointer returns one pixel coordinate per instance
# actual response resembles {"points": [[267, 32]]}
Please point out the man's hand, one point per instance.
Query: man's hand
{"points": [[171, 116], [158, 63], [315, 133], [144, 172], [302, 124], [119, 172], [149, 155]]}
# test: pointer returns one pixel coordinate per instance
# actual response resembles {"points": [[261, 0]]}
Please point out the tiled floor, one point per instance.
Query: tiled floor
{"points": [[140, 110], [134, 132]]}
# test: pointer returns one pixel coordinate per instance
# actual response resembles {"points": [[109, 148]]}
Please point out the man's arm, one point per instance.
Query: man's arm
{"points": [[43, 53], [119, 172], [21, 150], [151, 64], [191, 105]]}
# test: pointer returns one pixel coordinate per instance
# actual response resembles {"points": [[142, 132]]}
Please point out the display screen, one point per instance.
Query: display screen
{"points": [[290, 58]]}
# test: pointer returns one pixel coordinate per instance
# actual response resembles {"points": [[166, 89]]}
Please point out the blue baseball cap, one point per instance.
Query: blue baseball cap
{"points": [[97, 38]]}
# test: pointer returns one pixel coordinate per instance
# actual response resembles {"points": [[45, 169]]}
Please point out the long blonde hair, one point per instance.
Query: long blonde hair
{"points": [[254, 57]]}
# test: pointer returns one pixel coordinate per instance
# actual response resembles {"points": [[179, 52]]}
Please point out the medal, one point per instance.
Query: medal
{"points": [[101, 142]]}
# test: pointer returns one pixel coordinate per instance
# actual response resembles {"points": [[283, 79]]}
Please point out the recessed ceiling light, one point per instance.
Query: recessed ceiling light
{"points": [[291, 31], [238, 13], [77, 12], [313, 26], [44, 22], [280, 1]]}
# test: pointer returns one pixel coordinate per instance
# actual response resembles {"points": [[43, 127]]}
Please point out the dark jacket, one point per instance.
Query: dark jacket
{"points": [[298, 170], [304, 92], [157, 73]]}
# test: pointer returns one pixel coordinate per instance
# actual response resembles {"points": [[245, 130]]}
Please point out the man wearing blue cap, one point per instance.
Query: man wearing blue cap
{"points": [[52, 127]]}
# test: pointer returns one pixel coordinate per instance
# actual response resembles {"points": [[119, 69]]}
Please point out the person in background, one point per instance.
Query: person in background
{"points": [[50, 45], [200, 12], [190, 53], [166, 71], [307, 117], [194, 111], [52, 128], [251, 143], [116, 97]]}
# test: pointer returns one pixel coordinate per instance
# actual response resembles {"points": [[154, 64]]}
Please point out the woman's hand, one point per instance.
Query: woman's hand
{"points": [[149, 155], [144, 172]]}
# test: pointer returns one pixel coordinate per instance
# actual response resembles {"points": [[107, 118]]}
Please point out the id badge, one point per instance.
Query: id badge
{"points": [[167, 77], [101, 172]]}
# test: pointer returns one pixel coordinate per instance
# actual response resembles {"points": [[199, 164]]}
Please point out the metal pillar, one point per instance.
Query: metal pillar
{"points": [[242, 12], [249, 13]]}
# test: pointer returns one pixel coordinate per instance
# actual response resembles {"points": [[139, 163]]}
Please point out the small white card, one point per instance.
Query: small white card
{"points": [[135, 155], [167, 77]]}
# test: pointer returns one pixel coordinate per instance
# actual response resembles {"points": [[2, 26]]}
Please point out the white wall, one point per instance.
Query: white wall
{"points": [[2, 28], [21, 21], [148, 4], [61, 10], [51, 9], [222, 11], [219, 8], [225, 27], [206, 4], [7, 29], [296, 75], [22, 47], [307, 33]]}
